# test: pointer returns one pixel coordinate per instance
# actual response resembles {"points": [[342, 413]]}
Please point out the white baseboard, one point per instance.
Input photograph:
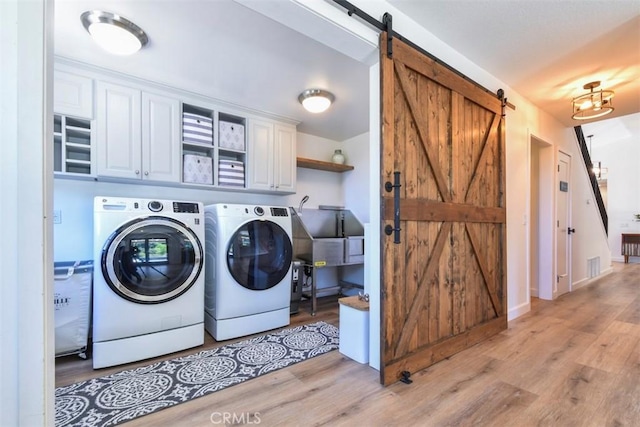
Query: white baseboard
{"points": [[519, 310], [584, 282]]}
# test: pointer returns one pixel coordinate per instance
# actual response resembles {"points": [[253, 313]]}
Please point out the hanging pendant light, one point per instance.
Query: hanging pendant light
{"points": [[598, 170], [596, 103], [114, 33]]}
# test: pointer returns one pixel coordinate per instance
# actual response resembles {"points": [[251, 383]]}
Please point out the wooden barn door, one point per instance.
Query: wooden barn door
{"points": [[444, 283]]}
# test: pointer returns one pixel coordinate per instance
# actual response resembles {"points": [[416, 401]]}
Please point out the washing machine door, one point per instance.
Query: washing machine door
{"points": [[151, 260], [259, 255]]}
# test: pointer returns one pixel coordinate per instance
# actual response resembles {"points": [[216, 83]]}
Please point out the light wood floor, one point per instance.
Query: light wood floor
{"points": [[574, 361]]}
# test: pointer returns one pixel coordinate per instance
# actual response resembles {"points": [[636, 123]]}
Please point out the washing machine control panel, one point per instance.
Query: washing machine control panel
{"points": [[279, 212], [181, 207], [155, 206], [258, 210]]}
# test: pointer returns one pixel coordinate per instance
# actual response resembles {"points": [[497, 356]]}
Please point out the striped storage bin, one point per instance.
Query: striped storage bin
{"points": [[197, 169], [231, 135], [197, 128], [231, 173]]}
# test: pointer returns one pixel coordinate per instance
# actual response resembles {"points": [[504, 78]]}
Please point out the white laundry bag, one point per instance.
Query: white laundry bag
{"points": [[72, 302]]}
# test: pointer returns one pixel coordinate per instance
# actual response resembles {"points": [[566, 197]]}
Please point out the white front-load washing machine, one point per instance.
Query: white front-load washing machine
{"points": [[248, 269], [148, 285]]}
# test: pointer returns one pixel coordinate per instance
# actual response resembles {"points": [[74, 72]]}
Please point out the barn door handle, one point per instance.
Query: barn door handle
{"points": [[395, 187]]}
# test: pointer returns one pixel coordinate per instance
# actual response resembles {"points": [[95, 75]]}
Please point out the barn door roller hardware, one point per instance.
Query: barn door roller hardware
{"points": [[386, 25], [405, 377], [396, 207], [387, 20]]}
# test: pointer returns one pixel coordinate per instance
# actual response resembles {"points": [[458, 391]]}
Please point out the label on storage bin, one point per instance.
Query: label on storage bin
{"points": [[320, 263]]}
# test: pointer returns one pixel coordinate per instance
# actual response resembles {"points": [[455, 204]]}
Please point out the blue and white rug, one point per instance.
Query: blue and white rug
{"points": [[121, 397]]}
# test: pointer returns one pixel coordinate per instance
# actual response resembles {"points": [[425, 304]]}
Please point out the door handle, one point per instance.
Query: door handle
{"points": [[395, 187], [570, 230]]}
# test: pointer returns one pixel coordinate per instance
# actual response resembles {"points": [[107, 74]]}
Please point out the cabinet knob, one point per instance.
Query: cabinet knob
{"points": [[146, 172], [137, 172]]}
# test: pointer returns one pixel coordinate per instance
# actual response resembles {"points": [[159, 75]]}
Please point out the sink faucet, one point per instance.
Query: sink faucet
{"points": [[302, 202]]}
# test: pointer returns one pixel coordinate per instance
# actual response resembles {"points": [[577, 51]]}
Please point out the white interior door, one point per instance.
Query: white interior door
{"points": [[564, 230]]}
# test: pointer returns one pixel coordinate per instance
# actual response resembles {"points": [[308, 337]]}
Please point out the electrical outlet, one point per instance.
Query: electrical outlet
{"points": [[57, 216]]}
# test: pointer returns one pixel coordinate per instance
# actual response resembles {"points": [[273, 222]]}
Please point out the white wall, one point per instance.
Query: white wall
{"points": [[618, 149], [590, 239], [356, 183], [26, 309]]}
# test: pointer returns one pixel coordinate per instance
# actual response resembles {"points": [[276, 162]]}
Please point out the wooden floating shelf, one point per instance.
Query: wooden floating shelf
{"points": [[323, 166]]}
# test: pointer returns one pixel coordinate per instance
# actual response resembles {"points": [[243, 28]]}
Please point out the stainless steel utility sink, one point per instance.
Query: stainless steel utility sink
{"points": [[327, 237]]}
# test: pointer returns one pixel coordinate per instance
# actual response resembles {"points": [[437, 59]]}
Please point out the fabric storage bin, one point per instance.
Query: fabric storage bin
{"points": [[197, 128], [72, 306], [231, 135], [231, 173], [197, 169]]}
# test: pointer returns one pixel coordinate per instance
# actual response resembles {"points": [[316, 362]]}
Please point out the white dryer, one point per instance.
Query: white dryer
{"points": [[248, 269], [148, 286]]}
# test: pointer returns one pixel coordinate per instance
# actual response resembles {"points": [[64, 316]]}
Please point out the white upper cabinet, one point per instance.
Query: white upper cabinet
{"points": [[118, 130], [138, 134], [261, 155], [272, 156], [72, 95], [285, 158], [160, 138], [110, 126]]}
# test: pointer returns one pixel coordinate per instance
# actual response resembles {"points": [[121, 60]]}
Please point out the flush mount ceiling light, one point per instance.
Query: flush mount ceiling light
{"points": [[316, 100], [596, 103], [114, 33]]}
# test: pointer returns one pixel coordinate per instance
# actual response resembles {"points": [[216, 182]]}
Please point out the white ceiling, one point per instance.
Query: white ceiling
{"points": [[545, 50], [223, 50]]}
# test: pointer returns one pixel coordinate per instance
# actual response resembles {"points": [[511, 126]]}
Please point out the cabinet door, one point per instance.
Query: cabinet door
{"points": [[72, 95], [118, 136], [285, 158], [160, 138], [261, 155]]}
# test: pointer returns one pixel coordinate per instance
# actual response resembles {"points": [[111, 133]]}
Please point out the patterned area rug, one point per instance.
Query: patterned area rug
{"points": [[114, 399]]}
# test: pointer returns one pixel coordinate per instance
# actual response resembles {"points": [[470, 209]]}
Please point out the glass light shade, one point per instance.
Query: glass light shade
{"points": [[316, 104], [316, 100], [114, 39], [114, 33]]}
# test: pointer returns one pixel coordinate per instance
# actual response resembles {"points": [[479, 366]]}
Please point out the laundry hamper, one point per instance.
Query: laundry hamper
{"points": [[72, 302]]}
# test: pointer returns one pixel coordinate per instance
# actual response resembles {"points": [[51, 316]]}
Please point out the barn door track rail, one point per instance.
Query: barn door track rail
{"points": [[387, 25]]}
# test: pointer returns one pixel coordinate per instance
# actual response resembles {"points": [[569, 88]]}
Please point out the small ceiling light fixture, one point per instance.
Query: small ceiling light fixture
{"points": [[593, 104], [114, 33], [316, 100]]}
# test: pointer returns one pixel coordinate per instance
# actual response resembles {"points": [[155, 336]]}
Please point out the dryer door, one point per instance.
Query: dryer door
{"points": [[259, 255], [151, 260]]}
